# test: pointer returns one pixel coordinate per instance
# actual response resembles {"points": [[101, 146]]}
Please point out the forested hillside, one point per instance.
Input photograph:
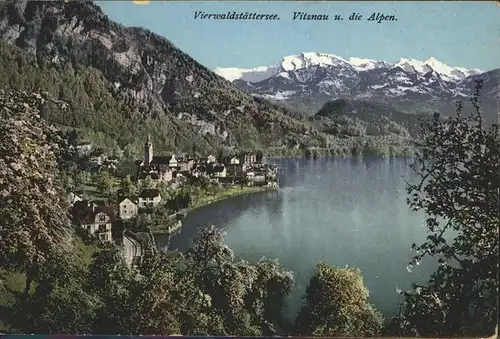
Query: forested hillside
{"points": [[128, 82]]}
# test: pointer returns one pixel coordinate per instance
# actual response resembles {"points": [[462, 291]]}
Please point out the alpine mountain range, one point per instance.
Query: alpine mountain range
{"points": [[312, 79]]}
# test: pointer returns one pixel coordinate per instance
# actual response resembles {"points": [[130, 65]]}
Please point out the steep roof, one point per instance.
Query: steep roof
{"points": [[161, 160], [133, 199], [87, 214], [219, 168]]}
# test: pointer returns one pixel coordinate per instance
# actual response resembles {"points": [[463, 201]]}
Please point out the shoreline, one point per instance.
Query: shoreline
{"points": [[246, 190], [337, 156], [344, 152]]}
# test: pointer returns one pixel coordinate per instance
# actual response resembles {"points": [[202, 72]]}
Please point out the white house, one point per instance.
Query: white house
{"points": [[211, 159], [234, 161], [186, 165], [128, 208], [250, 176], [167, 175], [150, 197], [97, 158], [98, 221], [249, 159], [173, 161]]}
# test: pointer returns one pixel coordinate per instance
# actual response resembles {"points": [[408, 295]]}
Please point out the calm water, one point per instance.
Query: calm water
{"points": [[341, 211]]}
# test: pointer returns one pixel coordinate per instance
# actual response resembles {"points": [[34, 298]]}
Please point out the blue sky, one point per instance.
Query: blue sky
{"points": [[465, 34]]}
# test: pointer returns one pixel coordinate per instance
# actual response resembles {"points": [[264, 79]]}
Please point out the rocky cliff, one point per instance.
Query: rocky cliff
{"points": [[127, 82]]}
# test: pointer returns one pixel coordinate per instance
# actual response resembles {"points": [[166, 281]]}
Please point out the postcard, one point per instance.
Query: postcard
{"points": [[249, 168]]}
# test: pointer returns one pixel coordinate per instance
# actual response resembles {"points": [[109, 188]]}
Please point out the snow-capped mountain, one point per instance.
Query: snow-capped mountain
{"points": [[432, 64], [308, 59], [319, 77], [247, 74]]}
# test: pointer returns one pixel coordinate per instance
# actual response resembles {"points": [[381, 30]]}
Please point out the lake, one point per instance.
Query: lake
{"points": [[344, 211]]}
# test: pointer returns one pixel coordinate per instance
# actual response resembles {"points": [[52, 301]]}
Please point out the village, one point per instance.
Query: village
{"points": [[163, 195]]}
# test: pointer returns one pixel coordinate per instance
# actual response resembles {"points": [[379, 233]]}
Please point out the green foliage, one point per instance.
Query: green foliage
{"points": [[358, 118], [146, 183], [115, 120], [181, 199], [110, 279], [336, 304], [33, 221], [170, 293], [160, 220], [152, 304], [127, 187], [60, 303], [248, 298], [188, 306], [105, 183], [458, 163], [81, 180]]}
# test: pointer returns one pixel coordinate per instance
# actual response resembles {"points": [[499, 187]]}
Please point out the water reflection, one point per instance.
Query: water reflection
{"points": [[345, 211]]}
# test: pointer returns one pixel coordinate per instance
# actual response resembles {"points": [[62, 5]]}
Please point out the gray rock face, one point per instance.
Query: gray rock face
{"points": [[146, 70]]}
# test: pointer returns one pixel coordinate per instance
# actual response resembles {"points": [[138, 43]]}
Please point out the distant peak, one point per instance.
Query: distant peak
{"points": [[434, 65], [247, 74], [307, 59], [432, 59]]}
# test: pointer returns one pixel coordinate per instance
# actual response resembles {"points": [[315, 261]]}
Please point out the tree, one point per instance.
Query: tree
{"points": [[127, 187], [110, 279], [146, 183], [204, 184], [66, 182], [104, 182], [242, 295], [208, 251], [165, 190], [336, 304], [117, 152], [81, 180], [220, 155], [458, 166], [267, 297], [33, 221], [211, 266], [59, 303], [194, 149], [151, 305]]}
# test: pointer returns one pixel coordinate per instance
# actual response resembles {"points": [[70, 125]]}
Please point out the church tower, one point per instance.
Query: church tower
{"points": [[148, 151]]}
